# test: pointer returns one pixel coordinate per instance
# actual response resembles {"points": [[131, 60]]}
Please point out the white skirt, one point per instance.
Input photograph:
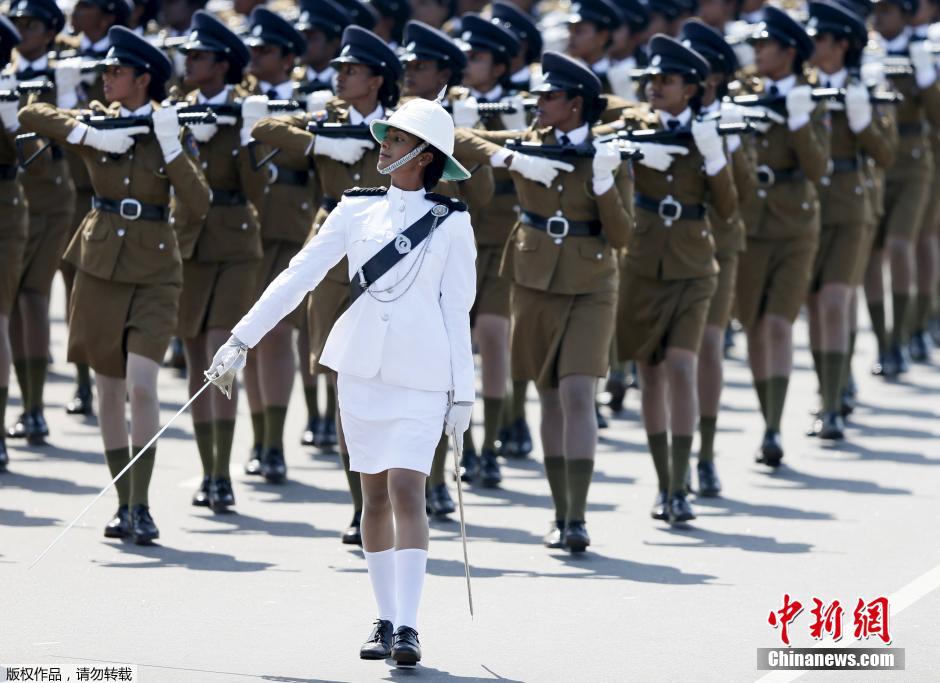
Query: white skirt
{"points": [[389, 426]]}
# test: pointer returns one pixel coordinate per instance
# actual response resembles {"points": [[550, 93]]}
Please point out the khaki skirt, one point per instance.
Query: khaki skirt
{"points": [[719, 309], [556, 335], [774, 278], [215, 295], [655, 315], [108, 320], [492, 289], [841, 247], [49, 233], [13, 235]]}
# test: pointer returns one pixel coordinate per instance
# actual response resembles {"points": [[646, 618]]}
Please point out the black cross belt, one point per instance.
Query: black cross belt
{"points": [[228, 198], [7, 172], [669, 209], [131, 209], [560, 227]]}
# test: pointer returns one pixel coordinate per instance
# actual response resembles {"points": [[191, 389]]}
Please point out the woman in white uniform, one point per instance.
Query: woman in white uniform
{"points": [[401, 350]]}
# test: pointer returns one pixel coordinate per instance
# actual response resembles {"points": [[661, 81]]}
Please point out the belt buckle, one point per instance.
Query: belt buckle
{"points": [[669, 209], [765, 176], [565, 227], [272, 174], [133, 204]]}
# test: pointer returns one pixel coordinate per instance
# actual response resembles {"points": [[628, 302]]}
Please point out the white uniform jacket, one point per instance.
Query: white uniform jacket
{"points": [[421, 340]]}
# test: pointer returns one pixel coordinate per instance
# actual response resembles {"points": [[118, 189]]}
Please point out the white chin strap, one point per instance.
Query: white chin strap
{"points": [[395, 165]]}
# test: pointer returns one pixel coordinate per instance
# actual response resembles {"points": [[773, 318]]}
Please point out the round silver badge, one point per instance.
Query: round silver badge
{"points": [[439, 210], [402, 244]]}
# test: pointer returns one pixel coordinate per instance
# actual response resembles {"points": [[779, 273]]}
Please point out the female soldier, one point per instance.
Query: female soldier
{"points": [[670, 271], [13, 224], [220, 255], [124, 305], [366, 84], [399, 349], [564, 275]]}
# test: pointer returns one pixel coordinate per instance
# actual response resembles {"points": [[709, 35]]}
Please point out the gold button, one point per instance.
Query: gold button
{"points": [[762, 194]]}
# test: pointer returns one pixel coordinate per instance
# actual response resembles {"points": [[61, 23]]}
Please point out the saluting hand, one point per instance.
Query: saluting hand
{"points": [[343, 150], [9, 110], [857, 107], [166, 128], [254, 108], [708, 142], [228, 360], [465, 112], [115, 141], [606, 160], [659, 157], [539, 169]]}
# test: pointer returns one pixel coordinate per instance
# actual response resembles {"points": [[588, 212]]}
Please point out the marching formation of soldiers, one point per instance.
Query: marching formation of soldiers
{"points": [[643, 172]]}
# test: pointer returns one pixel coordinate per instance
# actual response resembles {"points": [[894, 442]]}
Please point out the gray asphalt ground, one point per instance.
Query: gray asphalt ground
{"points": [[269, 593]]}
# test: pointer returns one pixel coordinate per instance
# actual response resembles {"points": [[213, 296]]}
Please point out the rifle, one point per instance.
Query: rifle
{"points": [[490, 109], [562, 151], [340, 130], [676, 134], [818, 95], [25, 88]]}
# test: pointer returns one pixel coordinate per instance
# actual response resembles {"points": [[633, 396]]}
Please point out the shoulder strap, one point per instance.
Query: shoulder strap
{"points": [[393, 252], [451, 203]]}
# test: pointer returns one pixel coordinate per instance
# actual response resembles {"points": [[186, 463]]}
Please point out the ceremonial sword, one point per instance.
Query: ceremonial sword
{"points": [[463, 528]]}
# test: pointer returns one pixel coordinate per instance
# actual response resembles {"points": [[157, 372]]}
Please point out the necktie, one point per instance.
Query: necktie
{"points": [[482, 100], [565, 140], [29, 74], [774, 90], [271, 94]]}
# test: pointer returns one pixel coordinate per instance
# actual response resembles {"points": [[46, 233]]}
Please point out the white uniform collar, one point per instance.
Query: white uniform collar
{"points": [[629, 62], [145, 110], [834, 80], [357, 119], [754, 17], [523, 75], [220, 98], [84, 44], [577, 136], [284, 89], [684, 117], [900, 42], [397, 196], [325, 76], [493, 95], [601, 66], [784, 85], [40, 64]]}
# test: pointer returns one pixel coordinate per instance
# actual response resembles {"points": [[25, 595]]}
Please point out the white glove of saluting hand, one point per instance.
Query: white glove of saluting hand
{"points": [[465, 112], [857, 107], [705, 134], [203, 132], [606, 161], [539, 169], [799, 106], [227, 361], [659, 157], [343, 150], [115, 141], [254, 108], [925, 70], [8, 113], [68, 74], [458, 417], [166, 128]]}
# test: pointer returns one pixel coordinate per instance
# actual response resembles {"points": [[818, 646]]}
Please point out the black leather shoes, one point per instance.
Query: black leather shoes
{"points": [[576, 537], [469, 466], [555, 538], [709, 485], [771, 451], [831, 426], [379, 644], [81, 403], [37, 430], [884, 366], [849, 398], [490, 475], [602, 422], [18, 430], [616, 387], [120, 524], [505, 446], [920, 347], [4, 456], [326, 434], [273, 467], [143, 529], [221, 495], [523, 438], [353, 535], [405, 650], [253, 466], [660, 509], [309, 436], [680, 510], [902, 361], [440, 504], [201, 496]]}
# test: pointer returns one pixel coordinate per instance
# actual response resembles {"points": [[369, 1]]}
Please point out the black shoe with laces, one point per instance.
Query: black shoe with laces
{"points": [[771, 450], [308, 438], [353, 533], [253, 466], [120, 525], [143, 528], [555, 538], [81, 403], [616, 387], [660, 509], [326, 435], [490, 476], [920, 347], [406, 651], [901, 358], [831, 426], [709, 485], [18, 430], [884, 366], [680, 510], [523, 438], [36, 428], [221, 495], [201, 496], [576, 537], [273, 467], [379, 644], [602, 422]]}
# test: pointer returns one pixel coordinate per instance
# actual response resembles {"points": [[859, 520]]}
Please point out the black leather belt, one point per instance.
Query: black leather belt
{"points": [[842, 166], [766, 176], [285, 176], [57, 152], [7, 172], [328, 203], [228, 198], [560, 227], [131, 209], [504, 187], [669, 209], [910, 129]]}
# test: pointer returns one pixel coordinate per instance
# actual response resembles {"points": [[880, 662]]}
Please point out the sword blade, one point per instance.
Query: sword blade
{"points": [[463, 527], [119, 475]]}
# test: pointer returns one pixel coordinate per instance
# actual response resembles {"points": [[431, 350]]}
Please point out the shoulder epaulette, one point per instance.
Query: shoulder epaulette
{"points": [[365, 192], [450, 202]]}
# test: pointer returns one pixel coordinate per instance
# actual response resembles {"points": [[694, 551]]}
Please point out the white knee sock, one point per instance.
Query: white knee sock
{"points": [[382, 575], [410, 566]]}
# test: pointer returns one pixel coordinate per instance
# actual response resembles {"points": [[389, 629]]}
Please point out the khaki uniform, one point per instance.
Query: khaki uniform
{"points": [[129, 272], [782, 217], [50, 195], [670, 272], [221, 254], [14, 225], [564, 292]]}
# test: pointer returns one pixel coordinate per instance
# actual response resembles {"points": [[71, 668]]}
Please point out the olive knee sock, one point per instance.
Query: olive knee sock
{"points": [[82, 375], [223, 433], [679, 458], [659, 449], [204, 444], [117, 460], [140, 476], [706, 427], [257, 427], [776, 397], [36, 369], [578, 474], [19, 368], [354, 481], [518, 398], [556, 475], [833, 366], [274, 417], [900, 302], [492, 412], [760, 386], [439, 464], [876, 311], [310, 397]]}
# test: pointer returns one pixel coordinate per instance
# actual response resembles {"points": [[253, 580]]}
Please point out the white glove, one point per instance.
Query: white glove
{"points": [[705, 134], [539, 169], [659, 157], [343, 150], [925, 71], [458, 418], [799, 106], [166, 128], [620, 77], [606, 161], [227, 361], [515, 121], [68, 76], [316, 101], [179, 62], [732, 113], [115, 141], [254, 108], [857, 107], [8, 114], [873, 74], [203, 132], [465, 112]]}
